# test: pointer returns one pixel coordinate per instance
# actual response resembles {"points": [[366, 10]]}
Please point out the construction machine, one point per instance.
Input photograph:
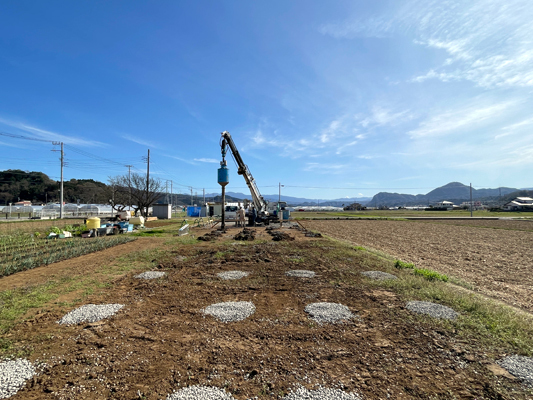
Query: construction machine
{"points": [[260, 205]]}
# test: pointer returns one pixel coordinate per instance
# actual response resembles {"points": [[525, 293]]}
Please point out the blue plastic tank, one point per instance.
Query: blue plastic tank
{"points": [[223, 176]]}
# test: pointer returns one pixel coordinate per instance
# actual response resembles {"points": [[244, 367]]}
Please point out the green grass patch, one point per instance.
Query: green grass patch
{"points": [[430, 275]]}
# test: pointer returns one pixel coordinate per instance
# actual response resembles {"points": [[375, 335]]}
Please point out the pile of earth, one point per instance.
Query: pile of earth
{"points": [[245, 234]]}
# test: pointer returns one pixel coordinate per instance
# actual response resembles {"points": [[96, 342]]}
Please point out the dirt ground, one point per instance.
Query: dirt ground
{"points": [[497, 262], [161, 341]]}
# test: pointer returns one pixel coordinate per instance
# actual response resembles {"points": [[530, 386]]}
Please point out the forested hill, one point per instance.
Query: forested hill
{"points": [[38, 188]]}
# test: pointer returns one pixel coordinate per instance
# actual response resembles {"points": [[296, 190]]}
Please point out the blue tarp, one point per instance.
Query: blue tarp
{"points": [[193, 211]]}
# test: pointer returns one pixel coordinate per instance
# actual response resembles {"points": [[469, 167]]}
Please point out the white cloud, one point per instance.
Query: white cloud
{"points": [[39, 133], [142, 142], [207, 160], [461, 118], [488, 42], [381, 116]]}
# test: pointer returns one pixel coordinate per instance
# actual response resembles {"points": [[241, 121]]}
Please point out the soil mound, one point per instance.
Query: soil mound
{"points": [[245, 234], [211, 236]]}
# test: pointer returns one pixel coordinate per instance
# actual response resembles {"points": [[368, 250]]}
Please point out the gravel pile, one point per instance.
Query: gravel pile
{"points": [[379, 275], [90, 313], [13, 376], [519, 366], [328, 312], [321, 394], [300, 273], [151, 275], [200, 393], [231, 311], [432, 309], [229, 275]]}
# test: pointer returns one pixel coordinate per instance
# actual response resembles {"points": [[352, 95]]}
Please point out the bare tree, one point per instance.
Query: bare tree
{"points": [[119, 192], [143, 193]]}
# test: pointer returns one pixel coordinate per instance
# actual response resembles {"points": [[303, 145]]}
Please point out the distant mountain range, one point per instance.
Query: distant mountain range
{"points": [[299, 201], [455, 192]]}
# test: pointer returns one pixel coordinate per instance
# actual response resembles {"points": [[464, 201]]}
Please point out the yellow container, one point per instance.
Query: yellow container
{"points": [[93, 223]]}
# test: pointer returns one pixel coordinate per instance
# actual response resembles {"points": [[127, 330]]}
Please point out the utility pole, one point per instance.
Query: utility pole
{"points": [[61, 184], [204, 195], [471, 206], [129, 182], [171, 193], [147, 178], [191, 196], [166, 191]]}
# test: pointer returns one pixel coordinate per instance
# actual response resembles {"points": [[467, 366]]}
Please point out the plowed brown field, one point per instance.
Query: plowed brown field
{"points": [[497, 262]]}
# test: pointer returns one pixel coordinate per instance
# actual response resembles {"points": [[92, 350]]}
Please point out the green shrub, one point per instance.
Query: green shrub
{"points": [[403, 265]]}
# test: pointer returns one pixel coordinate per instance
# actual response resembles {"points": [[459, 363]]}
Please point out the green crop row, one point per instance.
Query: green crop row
{"points": [[426, 273], [58, 251]]}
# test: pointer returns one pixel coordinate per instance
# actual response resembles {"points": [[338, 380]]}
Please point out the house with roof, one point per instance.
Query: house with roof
{"points": [[519, 204]]}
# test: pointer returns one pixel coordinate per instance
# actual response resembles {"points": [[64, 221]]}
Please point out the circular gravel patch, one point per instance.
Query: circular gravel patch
{"points": [[519, 366], [300, 273], [90, 313], [321, 394], [379, 275], [151, 275], [231, 310], [231, 275], [200, 393], [13, 376], [328, 312], [432, 309]]}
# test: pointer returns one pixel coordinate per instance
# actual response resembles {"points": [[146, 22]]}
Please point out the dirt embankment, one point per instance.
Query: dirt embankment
{"points": [[497, 262]]}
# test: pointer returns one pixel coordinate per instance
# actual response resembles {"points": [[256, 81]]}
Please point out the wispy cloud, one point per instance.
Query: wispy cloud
{"points": [[43, 134], [142, 142], [207, 160], [487, 42], [462, 118], [381, 116]]}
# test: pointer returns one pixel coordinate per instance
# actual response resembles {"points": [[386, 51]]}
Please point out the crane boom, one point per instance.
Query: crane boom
{"points": [[259, 202]]}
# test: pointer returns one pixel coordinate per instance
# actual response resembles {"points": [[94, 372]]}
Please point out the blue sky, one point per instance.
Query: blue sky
{"points": [[332, 99]]}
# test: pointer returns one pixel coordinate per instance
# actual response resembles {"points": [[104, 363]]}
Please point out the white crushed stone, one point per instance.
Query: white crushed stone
{"points": [[230, 275], [200, 393], [300, 273], [519, 366], [432, 309], [13, 376], [321, 394], [231, 311], [379, 275], [151, 275], [90, 313], [328, 312]]}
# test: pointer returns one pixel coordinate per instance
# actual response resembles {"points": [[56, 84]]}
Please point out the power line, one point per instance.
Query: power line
{"points": [[12, 135]]}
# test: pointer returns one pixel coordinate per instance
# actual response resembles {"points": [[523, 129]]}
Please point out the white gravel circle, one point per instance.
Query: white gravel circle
{"points": [[13, 376], [321, 394], [231, 275], [328, 312], [519, 366], [432, 309], [378, 275], [90, 313], [200, 393], [231, 311], [300, 273], [151, 275]]}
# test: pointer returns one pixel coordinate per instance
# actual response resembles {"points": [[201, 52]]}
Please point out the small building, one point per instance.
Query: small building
{"points": [[447, 205], [519, 204], [162, 211]]}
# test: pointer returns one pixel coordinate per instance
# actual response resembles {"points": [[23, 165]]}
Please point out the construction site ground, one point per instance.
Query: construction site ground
{"points": [[161, 340]]}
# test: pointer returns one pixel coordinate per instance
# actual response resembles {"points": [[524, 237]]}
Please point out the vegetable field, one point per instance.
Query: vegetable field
{"points": [[22, 251]]}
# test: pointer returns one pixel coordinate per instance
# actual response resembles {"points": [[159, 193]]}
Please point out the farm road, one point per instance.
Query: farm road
{"points": [[497, 262]]}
